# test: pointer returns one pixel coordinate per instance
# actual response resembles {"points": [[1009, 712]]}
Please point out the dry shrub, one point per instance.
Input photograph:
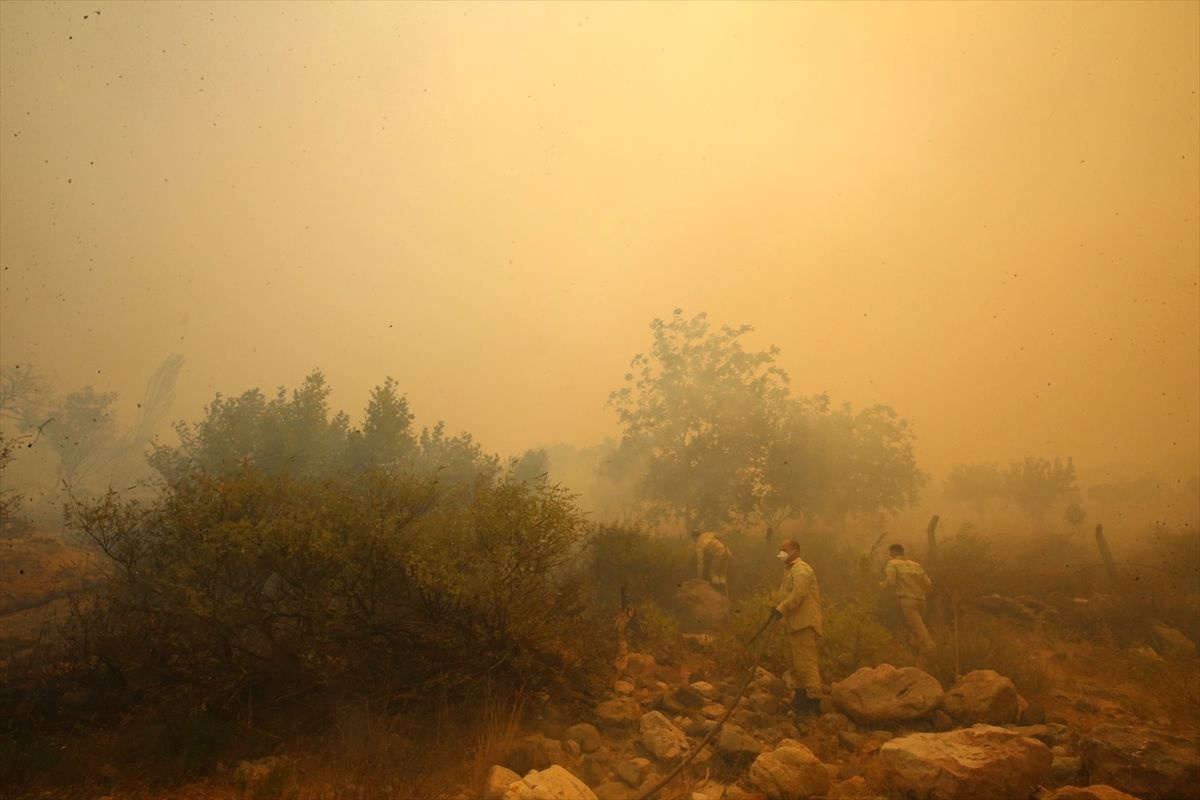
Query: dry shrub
{"points": [[985, 642], [643, 566], [275, 587]]}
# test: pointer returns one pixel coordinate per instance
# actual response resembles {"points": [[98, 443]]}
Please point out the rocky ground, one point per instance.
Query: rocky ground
{"points": [[883, 732], [1096, 733]]}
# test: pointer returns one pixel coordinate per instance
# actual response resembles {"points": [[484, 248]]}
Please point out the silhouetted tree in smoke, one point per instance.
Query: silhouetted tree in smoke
{"points": [[696, 413], [1037, 484], [978, 485], [711, 433], [830, 463]]}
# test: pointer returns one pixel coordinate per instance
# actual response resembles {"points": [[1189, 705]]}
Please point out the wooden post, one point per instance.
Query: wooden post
{"points": [[1106, 554], [935, 612], [626, 614]]}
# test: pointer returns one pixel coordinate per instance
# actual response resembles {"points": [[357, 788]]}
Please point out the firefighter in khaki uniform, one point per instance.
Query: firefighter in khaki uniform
{"points": [[710, 547], [800, 608], [908, 580]]}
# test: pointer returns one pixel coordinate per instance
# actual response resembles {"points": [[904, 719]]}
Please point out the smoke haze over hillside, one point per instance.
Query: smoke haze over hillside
{"points": [[983, 215]]}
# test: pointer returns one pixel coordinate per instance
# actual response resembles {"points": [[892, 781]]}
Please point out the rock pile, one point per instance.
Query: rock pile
{"points": [[886, 733]]}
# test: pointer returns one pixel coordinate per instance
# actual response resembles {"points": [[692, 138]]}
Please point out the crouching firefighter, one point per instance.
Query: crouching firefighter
{"points": [[800, 608]]}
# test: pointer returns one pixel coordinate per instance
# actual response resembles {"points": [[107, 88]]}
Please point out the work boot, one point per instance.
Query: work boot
{"points": [[804, 706]]}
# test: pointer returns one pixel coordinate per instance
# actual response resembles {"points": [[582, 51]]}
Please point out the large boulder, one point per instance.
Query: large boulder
{"points": [[1148, 763], [702, 609], [586, 735], [855, 788], [1097, 791], [640, 664], [1172, 643], [534, 752], [886, 695], [635, 771], [983, 696], [554, 783], [682, 700], [735, 746], [661, 739], [497, 781], [983, 762], [615, 790], [620, 712], [789, 772]]}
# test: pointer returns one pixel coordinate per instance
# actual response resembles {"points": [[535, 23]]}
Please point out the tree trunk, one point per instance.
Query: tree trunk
{"points": [[1106, 554], [936, 609]]}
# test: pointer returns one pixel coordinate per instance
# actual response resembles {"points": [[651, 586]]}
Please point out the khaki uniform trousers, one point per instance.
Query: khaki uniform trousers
{"points": [[718, 568], [914, 615], [804, 660]]}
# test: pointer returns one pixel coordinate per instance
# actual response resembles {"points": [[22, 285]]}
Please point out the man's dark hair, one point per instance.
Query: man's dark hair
{"points": [[896, 549]]}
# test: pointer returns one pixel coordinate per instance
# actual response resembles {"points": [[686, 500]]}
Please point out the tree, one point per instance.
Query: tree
{"points": [[696, 414], [796, 474], [458, 462], [10, 500], [831, 463], [386, 439], [978, 485], [156, 400], [24, 396], [286, 434], [1036, 485], [532, 466], [1074, 515], [875, 464], [84, 434]]}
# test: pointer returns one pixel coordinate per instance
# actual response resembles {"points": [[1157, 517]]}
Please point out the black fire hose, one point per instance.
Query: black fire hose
{"points": [[658, 787]]}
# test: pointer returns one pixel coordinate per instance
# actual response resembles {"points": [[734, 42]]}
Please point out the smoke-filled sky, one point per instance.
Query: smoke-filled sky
{"points": [[984, 215]]}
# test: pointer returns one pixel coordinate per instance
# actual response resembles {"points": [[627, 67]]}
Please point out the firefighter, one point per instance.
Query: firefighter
{"points": [[908, 580], [800, 608], [710, 548]]}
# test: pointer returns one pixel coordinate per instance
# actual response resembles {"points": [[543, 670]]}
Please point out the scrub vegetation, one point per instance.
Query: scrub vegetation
{"points": [[357, 597]]}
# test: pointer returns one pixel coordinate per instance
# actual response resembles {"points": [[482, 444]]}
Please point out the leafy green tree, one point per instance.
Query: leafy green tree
{"points": [[386, 438], [457, 462], [696, 414], [873, 464], [84, 433], [285, 434], [831, 463], [978, 485], [796, 473], [1036, 485], [532, 466]]}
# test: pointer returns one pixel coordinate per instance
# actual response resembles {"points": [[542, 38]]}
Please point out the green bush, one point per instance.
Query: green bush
{"points": [[985, 642], [264, 586], [646, 567], [853, 637], [655, 631]]}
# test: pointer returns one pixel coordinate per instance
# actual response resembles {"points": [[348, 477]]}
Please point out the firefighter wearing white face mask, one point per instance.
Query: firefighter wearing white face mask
{"points": [[800, 608]]}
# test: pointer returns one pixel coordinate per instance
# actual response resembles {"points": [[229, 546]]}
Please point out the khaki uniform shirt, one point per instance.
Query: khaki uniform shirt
{"points": [[907, 578], [707, 544], [800, 598]]}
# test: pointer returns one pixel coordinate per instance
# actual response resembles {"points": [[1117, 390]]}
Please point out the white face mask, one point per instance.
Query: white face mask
{"points": [[782, 555]]}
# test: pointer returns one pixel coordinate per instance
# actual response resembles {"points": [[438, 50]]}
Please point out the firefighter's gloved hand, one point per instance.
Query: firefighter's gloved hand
{"points": [[775, 614]]}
